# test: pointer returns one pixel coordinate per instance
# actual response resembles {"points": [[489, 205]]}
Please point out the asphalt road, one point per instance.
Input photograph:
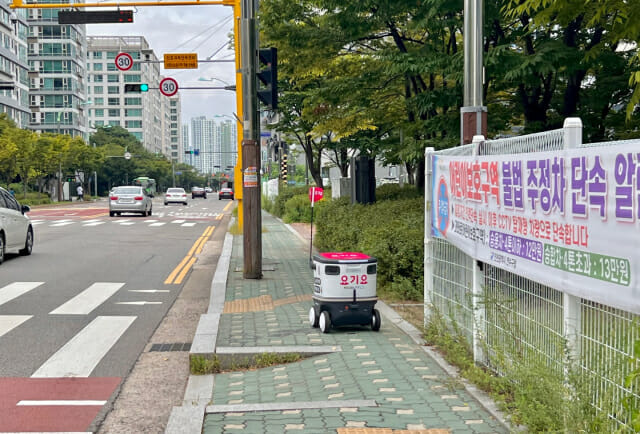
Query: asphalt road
{"points": [[78, 312]]}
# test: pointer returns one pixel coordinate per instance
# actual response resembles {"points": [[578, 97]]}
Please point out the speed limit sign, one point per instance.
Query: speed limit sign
{"points": [[124, 61], [168, 86]]}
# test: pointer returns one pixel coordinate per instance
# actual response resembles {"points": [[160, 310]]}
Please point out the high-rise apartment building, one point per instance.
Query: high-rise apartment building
{"points": [[184, 140], [57, 86], [175, 151], [142, 114], [202, 140], [226, 135], [14, 66]]}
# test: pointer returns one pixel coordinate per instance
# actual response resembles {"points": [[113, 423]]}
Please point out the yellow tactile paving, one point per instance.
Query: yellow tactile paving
{"points": [[264, 302]]}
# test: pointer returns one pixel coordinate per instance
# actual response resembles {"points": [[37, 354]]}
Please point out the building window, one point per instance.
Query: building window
{"points": [[111, 54], [98, 123], [98, 89], [132, 78], [114, 123], [113, 78], [111, 67], [97, 78], [133, 101], [113, 90], [98, 101], [133, 124], [99, 113], [137, 134], [97, 55], [114, 101], [131, 113], [114, 112], [97, 66]]}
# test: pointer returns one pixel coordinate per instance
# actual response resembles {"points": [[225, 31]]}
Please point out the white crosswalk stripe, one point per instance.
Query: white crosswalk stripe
{"points": [[125, 222], [16, 289], [9, 322], [80, 355], [88, 299]]}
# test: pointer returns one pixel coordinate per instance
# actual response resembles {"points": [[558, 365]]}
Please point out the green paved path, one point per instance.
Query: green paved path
{"points": [[405, 388]]}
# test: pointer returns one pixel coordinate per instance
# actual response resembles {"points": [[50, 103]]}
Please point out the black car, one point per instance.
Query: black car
{"points": [[198, 192], [225, 193]]}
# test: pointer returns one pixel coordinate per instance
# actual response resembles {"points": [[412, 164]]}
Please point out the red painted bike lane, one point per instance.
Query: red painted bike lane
{"points": [[52, 404]]}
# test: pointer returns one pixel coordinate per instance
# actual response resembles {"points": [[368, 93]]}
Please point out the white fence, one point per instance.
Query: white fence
{"points": [[500, 312]]}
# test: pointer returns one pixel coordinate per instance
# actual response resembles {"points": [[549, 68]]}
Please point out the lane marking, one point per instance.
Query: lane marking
{"points": [[89, 299], [61, 402], [61, 224], [178, 221], [187, 262], [16, 289], [139, 303], [149, 290], [188, 225], [185, 271], [158, 224], [80, 355], [226, 208], [219, 217], [9, 322], [93, 224], [127, 223]]}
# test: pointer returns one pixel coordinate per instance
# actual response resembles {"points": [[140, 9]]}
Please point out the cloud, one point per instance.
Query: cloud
{"points": [[187, 29]]}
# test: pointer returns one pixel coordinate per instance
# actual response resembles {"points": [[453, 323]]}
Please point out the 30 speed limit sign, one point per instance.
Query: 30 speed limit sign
{"points": [[124, 61], [168, 87]]}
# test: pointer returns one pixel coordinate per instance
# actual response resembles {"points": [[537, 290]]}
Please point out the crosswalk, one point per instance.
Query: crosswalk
{"points": [[82, 353], [154, 223]]}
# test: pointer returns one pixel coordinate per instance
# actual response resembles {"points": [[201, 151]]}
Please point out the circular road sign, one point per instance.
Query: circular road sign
{"points": [[127, 156], [168, 86], [124, 61]]}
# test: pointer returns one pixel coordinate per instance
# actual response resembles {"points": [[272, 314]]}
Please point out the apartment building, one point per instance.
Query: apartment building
{"points": [[226, 135], [142, 114], [175, 151], [14, 66], [184, 141], [57, 77]]}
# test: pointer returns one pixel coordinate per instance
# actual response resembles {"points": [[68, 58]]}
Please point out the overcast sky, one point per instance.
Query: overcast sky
{"points": [[187, 29]]}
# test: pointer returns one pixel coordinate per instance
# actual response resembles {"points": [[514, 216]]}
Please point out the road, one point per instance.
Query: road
{"points": [[77, 313]]}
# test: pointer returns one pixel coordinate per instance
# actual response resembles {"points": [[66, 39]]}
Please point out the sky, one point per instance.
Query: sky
{"points": [[204, 30]]}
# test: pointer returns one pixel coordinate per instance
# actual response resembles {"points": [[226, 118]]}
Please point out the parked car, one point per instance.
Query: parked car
{"points": [[208, 189], [175, 195], [16, 232], [225, 193], [198, 192], [129, 199]]}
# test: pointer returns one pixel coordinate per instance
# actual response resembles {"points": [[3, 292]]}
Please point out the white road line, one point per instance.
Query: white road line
{"points": [[188, 224], [150, 221], [178, 221], [93, 224], [61, 224], [158, 224], [93, 221], [79, 356], [120, 221], [149, 290], [139, 303], [89, 299], [16, 289], [127, 223], [61, 402], [9, 322]]}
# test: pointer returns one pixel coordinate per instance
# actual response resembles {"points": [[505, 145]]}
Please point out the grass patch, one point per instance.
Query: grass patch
{"points": [[200, 365]]}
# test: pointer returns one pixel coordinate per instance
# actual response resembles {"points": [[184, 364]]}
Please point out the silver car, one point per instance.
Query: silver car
{"points": [[129, 199], [16, 232]]}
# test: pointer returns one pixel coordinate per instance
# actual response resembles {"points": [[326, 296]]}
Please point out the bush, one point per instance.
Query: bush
{"points": [[284, 195], [298, 209], [396, 192], [391, 231]]}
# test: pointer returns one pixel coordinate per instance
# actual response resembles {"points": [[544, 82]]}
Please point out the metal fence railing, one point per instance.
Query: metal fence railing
{"points": [[500, 312]]}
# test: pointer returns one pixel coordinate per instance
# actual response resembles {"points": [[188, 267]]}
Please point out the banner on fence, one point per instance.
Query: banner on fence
{"points": [[568, 219]]}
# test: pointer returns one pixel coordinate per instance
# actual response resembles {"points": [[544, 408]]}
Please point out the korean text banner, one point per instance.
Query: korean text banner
{"points": [[568, 219]]}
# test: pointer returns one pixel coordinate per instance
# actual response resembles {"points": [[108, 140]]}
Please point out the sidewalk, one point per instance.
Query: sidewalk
{"points": [[354, 380]]}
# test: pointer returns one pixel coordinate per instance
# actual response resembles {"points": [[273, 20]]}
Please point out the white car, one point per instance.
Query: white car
{"points": [[16, 232], [175, 195], [130, 199]]}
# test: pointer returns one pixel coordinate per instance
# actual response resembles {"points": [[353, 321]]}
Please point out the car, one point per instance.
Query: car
{"points": [[198, 192], [208, 189], [175, 195], [225, 193], [16, 231], [130, 199]]}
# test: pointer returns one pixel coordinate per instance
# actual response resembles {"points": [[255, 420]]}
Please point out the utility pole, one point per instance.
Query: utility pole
{"points": [[473, 119], [251, 206]]}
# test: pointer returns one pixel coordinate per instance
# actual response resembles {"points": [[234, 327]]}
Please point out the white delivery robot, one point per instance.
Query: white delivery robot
{"points": [[344, 291]]}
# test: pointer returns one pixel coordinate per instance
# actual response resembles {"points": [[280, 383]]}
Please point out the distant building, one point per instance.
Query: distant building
{"points": [[174, 151], [13, 31], [57, 56], [146, 115], [227, 137], [216, 143], [184, 141]]}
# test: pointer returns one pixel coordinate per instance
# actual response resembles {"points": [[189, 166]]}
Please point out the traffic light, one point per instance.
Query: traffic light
{"points": [[192, 152], [137, 87], [95, 17], [268, 75]]}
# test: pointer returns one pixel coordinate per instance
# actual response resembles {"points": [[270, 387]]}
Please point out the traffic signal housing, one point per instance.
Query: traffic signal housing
{"points": [[95, 17], [268, 75], [136, 87], [192, 152]]}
